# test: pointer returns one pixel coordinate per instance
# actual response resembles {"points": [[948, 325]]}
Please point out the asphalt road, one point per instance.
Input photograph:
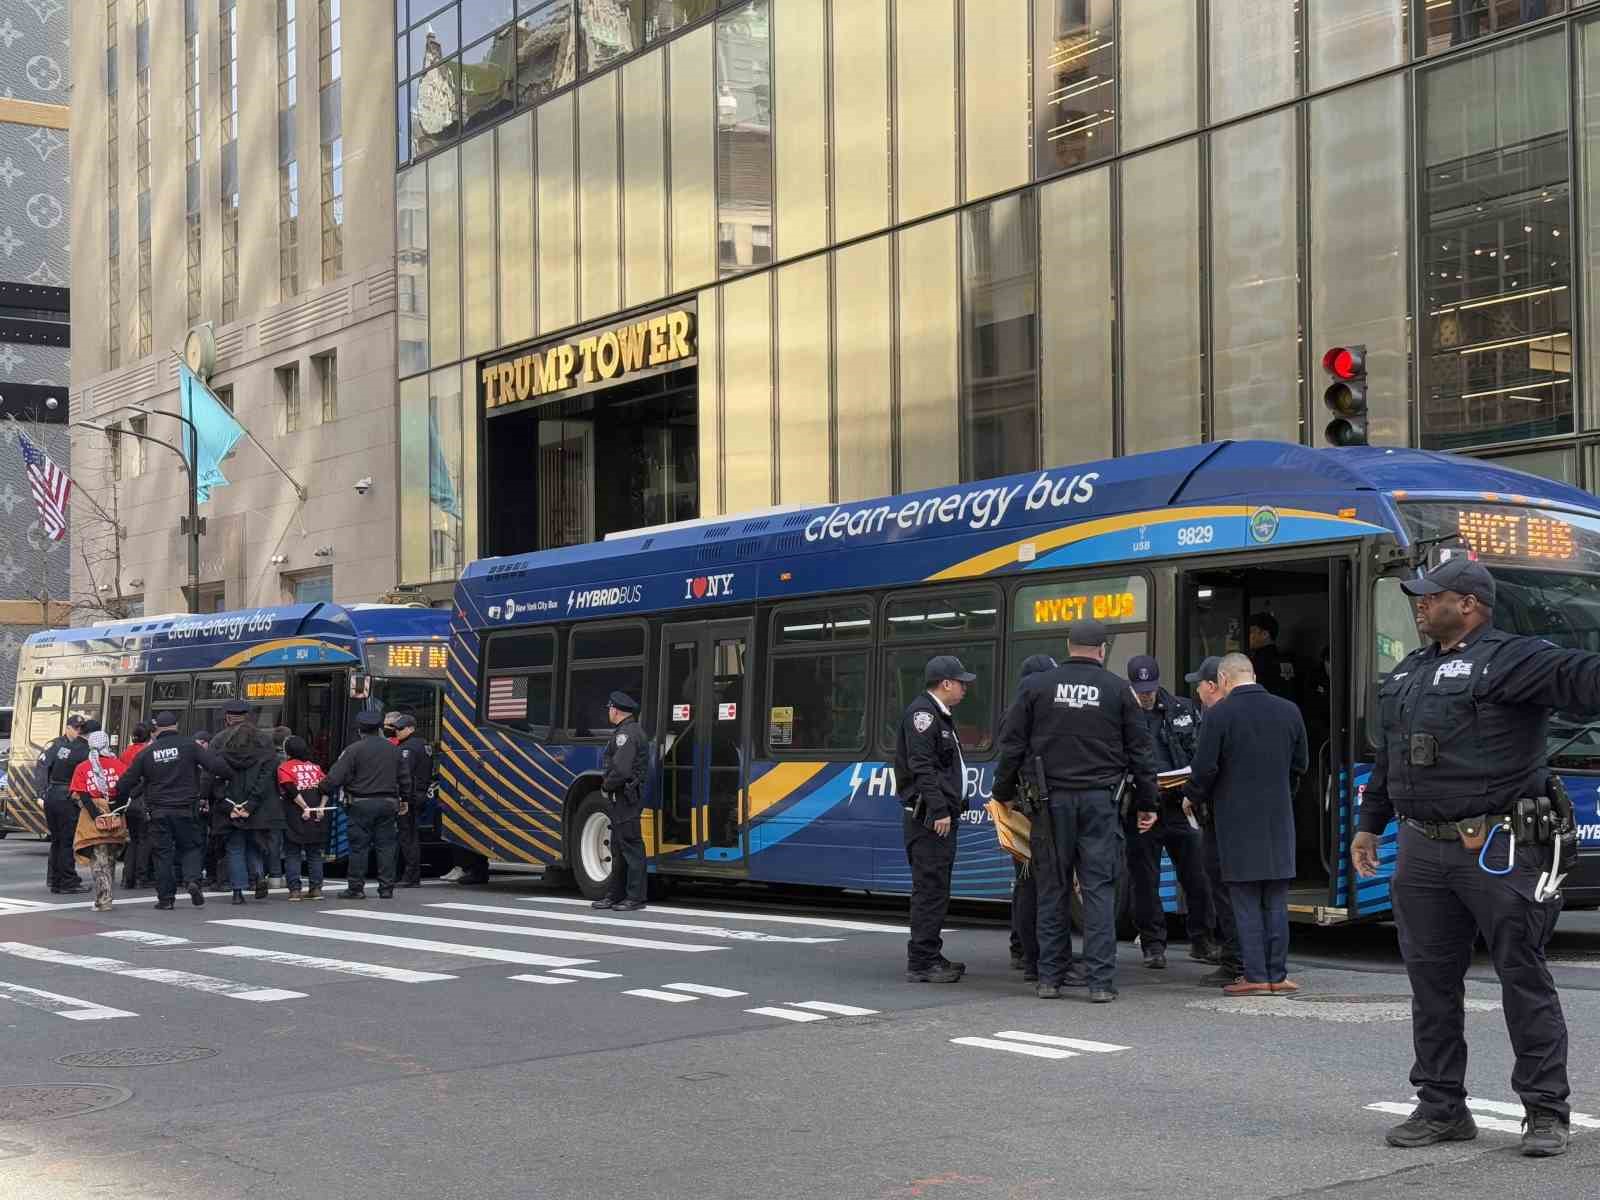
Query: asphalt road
{"points": [[502, 1041]]}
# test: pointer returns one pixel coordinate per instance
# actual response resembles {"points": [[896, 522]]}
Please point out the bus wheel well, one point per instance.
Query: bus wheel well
{"points": [[587, 837]]}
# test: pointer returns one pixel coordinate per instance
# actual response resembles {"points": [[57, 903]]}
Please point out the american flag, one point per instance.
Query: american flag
{"points": [[50, 485], [508, 698]]}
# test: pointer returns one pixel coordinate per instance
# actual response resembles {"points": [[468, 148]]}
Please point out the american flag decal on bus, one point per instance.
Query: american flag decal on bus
{"points": [[508, 699]]}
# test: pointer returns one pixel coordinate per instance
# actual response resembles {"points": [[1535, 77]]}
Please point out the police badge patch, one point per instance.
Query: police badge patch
{"points": [[622, 739], [921, 721]]}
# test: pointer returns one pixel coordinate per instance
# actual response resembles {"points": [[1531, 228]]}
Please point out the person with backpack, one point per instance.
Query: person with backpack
{"points": [[305, 827], [247, 805]]}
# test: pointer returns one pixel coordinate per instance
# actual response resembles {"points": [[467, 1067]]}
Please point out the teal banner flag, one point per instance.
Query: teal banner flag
{"points": [[215, 429]]}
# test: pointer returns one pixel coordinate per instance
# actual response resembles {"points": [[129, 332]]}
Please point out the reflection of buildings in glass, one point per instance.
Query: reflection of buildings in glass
{"points": [[1452, 22], [607, 31], [436, 95], [546, 52], [487, 82], [1077, 106], [744, 136]]}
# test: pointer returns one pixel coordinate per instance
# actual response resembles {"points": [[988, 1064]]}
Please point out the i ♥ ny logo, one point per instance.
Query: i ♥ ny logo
{"points": [[702, 587]]}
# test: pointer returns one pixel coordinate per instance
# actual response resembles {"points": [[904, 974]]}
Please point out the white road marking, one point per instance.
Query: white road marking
{"points": [[786, 1014], [519, 957], [580, 973], [9, 905], [704, 989], [1578, 1120], [837, 1010], [337, 965], [725, 915], [539, 979], [69, 1007], [732, 935], [182, 979], [984, 1043], [1066, 1043], [653, 994], [1353, 1013], [182, 897], [145, 939], [1405, 1110], [564, 935]]}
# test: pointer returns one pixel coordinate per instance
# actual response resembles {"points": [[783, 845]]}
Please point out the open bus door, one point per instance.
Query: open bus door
{"points": [[124, 710]]}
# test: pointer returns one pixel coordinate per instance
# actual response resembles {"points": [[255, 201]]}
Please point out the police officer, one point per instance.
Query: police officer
{"points": [[1024, 882], [929, 770], [1462, 742], [374, 776], [1224, 947], [402, 732], [169, 771], [1275, 670], [1083, 724], [56, 765], [1174, 725], [623, 762]]}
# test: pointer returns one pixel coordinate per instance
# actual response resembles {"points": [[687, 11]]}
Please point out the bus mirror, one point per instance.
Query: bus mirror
{"points": [[1442, 550], [360, 686]]}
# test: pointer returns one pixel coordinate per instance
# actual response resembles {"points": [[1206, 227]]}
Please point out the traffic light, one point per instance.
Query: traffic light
{"points": [[1346, 396]]}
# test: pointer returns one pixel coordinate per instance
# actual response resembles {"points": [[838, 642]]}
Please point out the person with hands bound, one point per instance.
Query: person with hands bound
{"points": [[305, 818], [100, 831]]}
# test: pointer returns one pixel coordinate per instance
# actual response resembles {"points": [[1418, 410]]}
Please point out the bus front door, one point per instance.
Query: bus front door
{"points": [[124, 710], [702, 805]]}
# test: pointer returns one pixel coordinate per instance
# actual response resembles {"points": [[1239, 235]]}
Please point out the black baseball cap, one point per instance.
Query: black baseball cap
{"points": [[1144, 673], [1087, 633], [1034, 664], [236, 708], [946, 666], [402, 721], [369, 719], [1460, 575], [77, 721], [1206, 672], [166, 719], [622, 702]]}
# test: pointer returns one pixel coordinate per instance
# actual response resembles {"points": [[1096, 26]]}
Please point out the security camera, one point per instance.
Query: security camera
{"points": [[363, 485]]}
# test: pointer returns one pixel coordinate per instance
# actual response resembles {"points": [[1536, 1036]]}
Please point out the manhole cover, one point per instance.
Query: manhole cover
{"points": [[1354, 998], [135, 1056], [24, 1104]]}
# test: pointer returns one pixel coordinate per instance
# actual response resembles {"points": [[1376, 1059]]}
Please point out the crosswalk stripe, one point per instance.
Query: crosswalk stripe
{"points": [[984, 1043], [654, 994], [580, 973], [1045, 1039], [564, 935], [732, 935], [726, 915], [1404, 1110], [69, 1007], [336, 965], [704, 989], [540, 979], [836, 1010], [182, 979], [521, 958], [1577, 1120], [141, 937], [786, 1014]]}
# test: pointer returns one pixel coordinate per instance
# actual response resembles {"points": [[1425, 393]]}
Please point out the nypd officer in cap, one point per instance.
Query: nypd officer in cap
{"points": [[374, 776], [1461, 752], [170, 772], [929, 768], [1082, 728], [401, 730], [56, 764], [624, 761]]}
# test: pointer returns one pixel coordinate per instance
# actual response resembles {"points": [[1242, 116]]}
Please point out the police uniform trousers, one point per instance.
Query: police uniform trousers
{"points": [[1226, 928], [1182, 843], [61, 819], [138, 860], [627, 856], [932, 859], [1025, 916], [180, 842], [372, 826], [1087, 841], [410, 845], [1442, 898]]}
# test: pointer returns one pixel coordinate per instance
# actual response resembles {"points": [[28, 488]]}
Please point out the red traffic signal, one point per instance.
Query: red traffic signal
{"points": [[1345, 362], [1346, 395]]}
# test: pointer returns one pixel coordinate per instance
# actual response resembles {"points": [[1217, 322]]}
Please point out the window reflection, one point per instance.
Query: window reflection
{"points": [[1000, 394], [488, 79], [411, 266], [1497, 262], [547, 56], [1449, 23], [435, 106], [1075, 81], [744, 137]]}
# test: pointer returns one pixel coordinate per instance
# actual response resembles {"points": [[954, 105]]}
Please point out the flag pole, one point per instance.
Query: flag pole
{"points": [[299, 488]]}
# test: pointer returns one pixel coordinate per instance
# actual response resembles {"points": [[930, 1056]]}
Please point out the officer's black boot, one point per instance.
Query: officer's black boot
{"points": [[353, 893], [604, 902], [238, 896], [1544, 1135], [164, 904], [1419, 1130], [262, 888], [196, 896]]}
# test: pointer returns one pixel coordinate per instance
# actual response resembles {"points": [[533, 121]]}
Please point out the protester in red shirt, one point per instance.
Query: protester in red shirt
{"points": [[305, 833], [99, 834]]}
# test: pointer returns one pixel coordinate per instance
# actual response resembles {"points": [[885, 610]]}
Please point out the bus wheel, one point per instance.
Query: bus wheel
{"points": [[590, 851]]}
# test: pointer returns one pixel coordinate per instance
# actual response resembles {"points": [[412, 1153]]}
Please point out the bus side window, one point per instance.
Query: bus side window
{"points": [[963, 623], [604, 659], [817, 673], [45, 713], [519, 687]]}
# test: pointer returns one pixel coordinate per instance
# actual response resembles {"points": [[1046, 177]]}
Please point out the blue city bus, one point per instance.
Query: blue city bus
{"points": [[774, 652], [310, 667]]}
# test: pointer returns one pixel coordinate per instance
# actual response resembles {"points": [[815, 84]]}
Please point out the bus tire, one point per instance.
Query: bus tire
{"points": [[589, 846]]}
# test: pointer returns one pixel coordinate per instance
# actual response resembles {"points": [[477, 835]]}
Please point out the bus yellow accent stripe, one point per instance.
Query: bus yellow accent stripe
{"points": [[780, 783], [246, 657], [535, 831], [1004, 556], [538, 787], [460, 810], [467, 838]]}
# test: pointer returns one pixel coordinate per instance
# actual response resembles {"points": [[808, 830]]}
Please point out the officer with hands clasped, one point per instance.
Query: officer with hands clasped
{"points": [[375, 777], [1082, 729], [624, 762], [1460, 763], [929, 771], [57, 764]]}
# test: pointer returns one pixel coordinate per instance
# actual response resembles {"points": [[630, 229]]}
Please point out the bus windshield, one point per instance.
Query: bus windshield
{"points": [[1559, 606]]}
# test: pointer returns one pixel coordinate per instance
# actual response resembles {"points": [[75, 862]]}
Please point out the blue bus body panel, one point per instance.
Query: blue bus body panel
{"points": [[837, 824]]}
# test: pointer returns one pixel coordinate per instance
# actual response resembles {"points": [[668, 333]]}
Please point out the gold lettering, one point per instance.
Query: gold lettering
{"points": [[549, 375], [526, 376], [608, 355], [508, 382], [586, 352], [567, 357], [632, 339], [678, 324], [489, 377], [658, 341]]}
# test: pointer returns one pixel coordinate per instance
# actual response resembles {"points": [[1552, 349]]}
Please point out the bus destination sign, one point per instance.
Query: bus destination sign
{"points": [[410, 658], [1119, 601]]}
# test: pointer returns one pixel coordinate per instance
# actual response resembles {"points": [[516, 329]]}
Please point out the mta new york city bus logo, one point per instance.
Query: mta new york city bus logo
{"points": [[1263, 524]]}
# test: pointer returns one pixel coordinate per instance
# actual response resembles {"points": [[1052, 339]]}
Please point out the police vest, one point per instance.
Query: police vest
{"points": [[1434, 707]]}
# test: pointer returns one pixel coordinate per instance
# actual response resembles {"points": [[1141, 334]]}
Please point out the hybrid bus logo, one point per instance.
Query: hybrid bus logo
{"points": [[609, 597]]}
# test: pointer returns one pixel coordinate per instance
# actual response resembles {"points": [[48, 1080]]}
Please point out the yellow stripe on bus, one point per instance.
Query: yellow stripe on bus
{"points": [[780, 783]]}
